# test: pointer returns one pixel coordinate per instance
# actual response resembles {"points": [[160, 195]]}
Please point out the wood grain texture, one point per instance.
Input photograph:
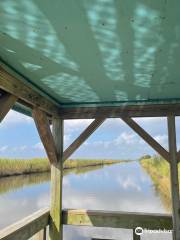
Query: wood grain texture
{"points": [[114, 219], [41, 235], [55, 228], [82, 138], [27, 227], [26, 93], [174, 177], [135, 236], [43, 127], [147, 138], [141, 110], [6, 103]]}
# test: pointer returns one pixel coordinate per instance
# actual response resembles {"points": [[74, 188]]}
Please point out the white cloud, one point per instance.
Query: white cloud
{"points": [[162, 139], [13, 118], [128, 183], [149, 120], [20, 148], [39, 146], [125, 137], [3, 148], [76, 125]]}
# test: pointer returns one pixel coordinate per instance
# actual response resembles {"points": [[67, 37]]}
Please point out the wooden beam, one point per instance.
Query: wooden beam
{"points": [[178, 155], [40, 235], [56, 227], [141, 110], [43, 127], [174, 177], [6, 103], [24, 92], [27, 227], [82, 138], [135, 236], [114, 219], [147, 138]]}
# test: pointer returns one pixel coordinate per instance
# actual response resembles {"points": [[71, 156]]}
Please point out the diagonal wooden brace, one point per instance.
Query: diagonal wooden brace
{"points": [[147, 138], [6, 103], [43, 127], [82, 138]]}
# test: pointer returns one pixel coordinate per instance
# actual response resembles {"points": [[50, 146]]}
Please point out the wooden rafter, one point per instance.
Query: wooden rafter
{"points": [[82, 138], [6, 103], [143, 110], [147, 138], [43, 127], [25, 93]]}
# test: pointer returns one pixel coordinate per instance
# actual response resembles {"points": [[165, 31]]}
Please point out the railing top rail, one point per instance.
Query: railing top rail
{"points": [[27, 227], [128, 220]]}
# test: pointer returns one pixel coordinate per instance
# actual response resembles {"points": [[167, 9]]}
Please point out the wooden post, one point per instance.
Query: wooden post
{"points": [[174, 177], [40, 235], [55, 228], [135, 236]]}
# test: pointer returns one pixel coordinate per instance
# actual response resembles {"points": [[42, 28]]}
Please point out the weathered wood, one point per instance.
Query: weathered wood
{"points": [[135, 236], [40, 235], [55, 229], [27, 227], [16, 87], [6, 103], [117, 219], [82, 138], [141, 110], [102, 239], [174, 177], [147, 138], [43, 127]]}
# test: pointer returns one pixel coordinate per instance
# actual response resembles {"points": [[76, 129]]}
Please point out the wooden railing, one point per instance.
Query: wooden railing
{"points": [[37, 222], [27, 227]]}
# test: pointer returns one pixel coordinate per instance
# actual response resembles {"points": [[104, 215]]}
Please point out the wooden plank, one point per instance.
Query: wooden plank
{"points": [[16, 87], [82, 138], [135, 236], [141, 110], [174, 177], [56, 229], [147, 138], [27, 227], [43, 127], [102, 239], [40, 235], [6, 103], [117, 219]]}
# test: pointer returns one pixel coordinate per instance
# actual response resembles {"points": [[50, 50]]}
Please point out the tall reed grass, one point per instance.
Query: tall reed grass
{"points": [[158, 170], [9, 167]]}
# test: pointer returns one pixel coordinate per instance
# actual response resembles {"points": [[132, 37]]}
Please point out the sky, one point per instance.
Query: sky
{"points": [[113, 140]]}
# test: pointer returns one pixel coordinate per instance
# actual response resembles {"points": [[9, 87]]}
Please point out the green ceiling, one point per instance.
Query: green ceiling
{"points": [[94, 51]]}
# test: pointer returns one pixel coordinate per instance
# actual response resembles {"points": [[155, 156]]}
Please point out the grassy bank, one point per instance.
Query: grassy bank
{"points": [[10, 167], [10, 183], [158, 170]]}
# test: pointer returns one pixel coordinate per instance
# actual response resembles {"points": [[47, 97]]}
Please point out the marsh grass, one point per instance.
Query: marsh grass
{"points": [[158, 169], [10, 167]]}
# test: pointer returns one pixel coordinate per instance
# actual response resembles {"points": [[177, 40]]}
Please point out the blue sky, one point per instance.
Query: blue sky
{"points": [[113, 140]]}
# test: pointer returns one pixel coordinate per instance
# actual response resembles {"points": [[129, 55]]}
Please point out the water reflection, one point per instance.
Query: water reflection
{"points": [[123, 186]]}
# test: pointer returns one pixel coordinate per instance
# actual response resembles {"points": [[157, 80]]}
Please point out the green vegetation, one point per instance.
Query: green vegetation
{"points": [[10, 167], [10, 183], [158, 170]]}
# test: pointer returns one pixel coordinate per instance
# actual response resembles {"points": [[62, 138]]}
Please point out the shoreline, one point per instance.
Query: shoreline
{"points": [[10, 167]]}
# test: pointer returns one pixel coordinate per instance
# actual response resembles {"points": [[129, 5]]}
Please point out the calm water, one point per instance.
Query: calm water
{"points": [[119, 187]]}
